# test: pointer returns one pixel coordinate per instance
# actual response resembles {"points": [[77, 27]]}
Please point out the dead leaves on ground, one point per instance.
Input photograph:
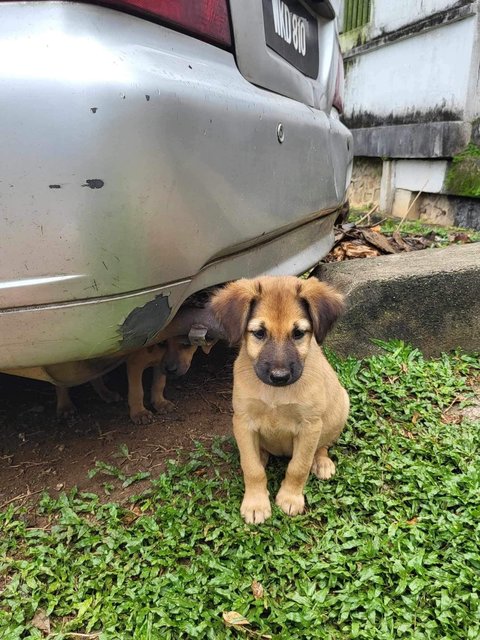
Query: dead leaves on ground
{"points": [[257, 590], [352, 241], [41, 621], [239, 622], [234, 619]]}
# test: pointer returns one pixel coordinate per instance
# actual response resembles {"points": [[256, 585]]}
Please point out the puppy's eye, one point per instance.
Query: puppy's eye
{"points": [[297, 334], [259, 334]]}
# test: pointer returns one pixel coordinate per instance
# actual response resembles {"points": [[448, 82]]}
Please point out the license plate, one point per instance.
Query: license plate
{"points": [[292, 32]]}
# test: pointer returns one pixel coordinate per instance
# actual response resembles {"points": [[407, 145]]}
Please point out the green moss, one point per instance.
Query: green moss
{"points": [[463, 176], [472, 151], [354, 38]]}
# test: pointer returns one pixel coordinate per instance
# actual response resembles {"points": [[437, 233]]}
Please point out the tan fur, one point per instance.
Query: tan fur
{"points": [[173, 355], [300, 420], [137, 362], [65, 406]]}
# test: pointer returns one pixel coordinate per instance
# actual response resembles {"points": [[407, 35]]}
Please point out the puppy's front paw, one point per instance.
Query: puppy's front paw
{"points": [[256, 508], [66, 411], [142, 417], [323, 467], [163, 406], [291, 503]]}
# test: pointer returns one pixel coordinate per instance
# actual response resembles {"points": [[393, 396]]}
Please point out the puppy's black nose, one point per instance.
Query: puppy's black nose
{"points": [[280, 376], [171, 369]]}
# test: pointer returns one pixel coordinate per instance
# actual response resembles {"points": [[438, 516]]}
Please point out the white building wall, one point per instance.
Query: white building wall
{"points": [[404, 76], [420, 175], [472, 111], [389, 15], [396, 79]]}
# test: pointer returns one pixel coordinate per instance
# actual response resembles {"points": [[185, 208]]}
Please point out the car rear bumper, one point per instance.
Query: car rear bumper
{"points": [[103, 327], [135, 156]]}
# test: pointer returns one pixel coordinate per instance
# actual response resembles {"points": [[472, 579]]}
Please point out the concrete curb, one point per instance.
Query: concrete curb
{"points": [[428, 298]]}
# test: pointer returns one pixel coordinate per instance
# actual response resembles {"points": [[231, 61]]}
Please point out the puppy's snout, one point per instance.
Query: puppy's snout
{"points": [[279, 376], [171, 369]]}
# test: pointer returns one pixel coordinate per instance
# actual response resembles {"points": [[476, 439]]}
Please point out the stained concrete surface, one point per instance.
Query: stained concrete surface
{"points": [[429, 298]]}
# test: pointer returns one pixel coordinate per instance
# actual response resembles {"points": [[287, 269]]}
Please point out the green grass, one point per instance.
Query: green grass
{"points": [[414, 227], [390, 548]]}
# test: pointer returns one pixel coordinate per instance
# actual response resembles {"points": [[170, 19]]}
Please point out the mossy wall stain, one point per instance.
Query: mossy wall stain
{"points": [[463, 176], [366, 120], [354, 38]]}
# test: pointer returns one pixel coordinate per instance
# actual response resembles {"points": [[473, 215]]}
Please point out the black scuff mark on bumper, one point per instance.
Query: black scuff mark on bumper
{"points": [[94, 183], [143, 323]]}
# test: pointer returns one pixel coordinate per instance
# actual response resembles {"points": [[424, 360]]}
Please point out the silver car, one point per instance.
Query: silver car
{"points": [[150, 149]]}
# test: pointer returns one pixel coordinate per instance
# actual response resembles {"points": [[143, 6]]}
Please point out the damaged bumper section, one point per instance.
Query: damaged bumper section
{"points": [[81, 340]]}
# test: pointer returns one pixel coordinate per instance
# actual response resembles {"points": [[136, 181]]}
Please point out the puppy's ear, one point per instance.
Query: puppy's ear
{"points": [[233, 306], [324, 305]]}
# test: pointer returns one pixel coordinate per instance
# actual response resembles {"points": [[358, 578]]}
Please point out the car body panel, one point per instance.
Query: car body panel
{"points": [[264, 67], [133, 157], [85, 330]]}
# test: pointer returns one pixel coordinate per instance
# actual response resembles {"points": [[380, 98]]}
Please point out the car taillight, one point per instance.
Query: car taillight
{"points": [[207, 18], [339, 85]]}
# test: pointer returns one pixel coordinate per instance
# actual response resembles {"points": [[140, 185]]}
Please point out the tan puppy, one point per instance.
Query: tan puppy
{"points": [[65, 406], [172, 357], [287, 399]]}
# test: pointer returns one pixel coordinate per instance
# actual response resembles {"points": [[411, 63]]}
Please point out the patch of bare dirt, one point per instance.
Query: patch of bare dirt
{"points": [[469, 411], [40, 452]]}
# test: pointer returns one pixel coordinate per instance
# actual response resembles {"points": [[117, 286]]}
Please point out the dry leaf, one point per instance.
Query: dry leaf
{"points": [[257, 590], [378, 240], [338, 253], [461, 237], [59, 486], [41, 621], [352, 241], [451, 418], [408, 434], [234, 619], [431, 236], [415, 417], [358, 250], [412, 521], [129, 517], [400, 242]]}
